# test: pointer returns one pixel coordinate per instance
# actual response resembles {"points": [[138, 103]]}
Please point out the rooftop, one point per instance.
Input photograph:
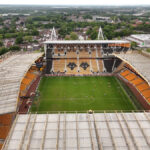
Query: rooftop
{"points": [[139, 62], [141, 36], [12, 71], [85, 42], [80, 131]]}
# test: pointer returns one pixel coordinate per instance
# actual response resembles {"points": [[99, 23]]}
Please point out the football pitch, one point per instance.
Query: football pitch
{"points": [[81, 94]]}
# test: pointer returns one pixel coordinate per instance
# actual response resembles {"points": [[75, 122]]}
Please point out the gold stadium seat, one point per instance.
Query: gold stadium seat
{"points": [[148, 100], [124, 73], [142, 87], [26, 81], [59, 65], [93, 54], [71, 54], [94, 65], [137, 81], [30, 75], [58, 51], [83, 54], [146, 93], [23, 87], [130, 76], [87, 71], [4, 131], [100, 62], [74, 71], [6, 119], [1, 145]]}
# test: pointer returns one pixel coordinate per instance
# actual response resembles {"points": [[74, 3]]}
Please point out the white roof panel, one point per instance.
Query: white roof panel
{"points": [[12, 71], [86, 42], [139, 62], [101, 133], [142, 37]]}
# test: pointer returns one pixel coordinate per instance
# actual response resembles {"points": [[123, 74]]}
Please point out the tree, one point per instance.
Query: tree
{"points": [[1, 43], [1, 36], [73, 36], [28, 38], [19, 40], [148, 50], [87, 16], [3, 50], [14, 48], [93, 35], [133, 44], [35, 32], [67, 37]]}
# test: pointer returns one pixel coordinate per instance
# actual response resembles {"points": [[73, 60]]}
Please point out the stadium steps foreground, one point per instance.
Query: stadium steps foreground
{"points": [[85, 131]]}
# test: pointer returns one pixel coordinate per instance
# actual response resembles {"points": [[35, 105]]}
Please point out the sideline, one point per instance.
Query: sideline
{"points": [[133, 99], [126, 93]]}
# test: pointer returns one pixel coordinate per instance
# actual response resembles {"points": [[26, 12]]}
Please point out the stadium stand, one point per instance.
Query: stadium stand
{"points": [[1, 144], [26, 100], [71, 54], [146, 93], [125, 72], [75, 130], [130, 77], [94, 65], [117, 63], [139, 83], [140, 62], [120, 47], [28, 79], [84, 49], [93, 53], [49, 65], [6, 121], [59, 65], [99, 52], [142, 86], [108, 63], [100, 62], [84, 54], [11, 72], [148, 100], [84, 66], [58, 50], [72, 67], [4, 131]]}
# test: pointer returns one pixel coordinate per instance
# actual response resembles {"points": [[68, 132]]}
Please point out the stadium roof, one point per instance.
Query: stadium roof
{"points": [[85, 42], [139, 62], [83, 131], [12, 71]]}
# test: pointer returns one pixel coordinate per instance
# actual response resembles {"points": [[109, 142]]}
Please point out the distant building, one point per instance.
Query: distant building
{"points": [[9, 42], [81, 37], [103, 19], [142, 40]]}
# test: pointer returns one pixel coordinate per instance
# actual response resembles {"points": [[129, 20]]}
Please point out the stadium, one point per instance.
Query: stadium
{"points": [[76, 95]]}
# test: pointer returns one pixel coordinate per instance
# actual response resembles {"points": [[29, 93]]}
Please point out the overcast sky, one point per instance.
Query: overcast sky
{"points": [[78, 2]]}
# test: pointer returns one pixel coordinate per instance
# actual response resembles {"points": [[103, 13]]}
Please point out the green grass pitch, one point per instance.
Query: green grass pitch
{"points": [[81, 94]]}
